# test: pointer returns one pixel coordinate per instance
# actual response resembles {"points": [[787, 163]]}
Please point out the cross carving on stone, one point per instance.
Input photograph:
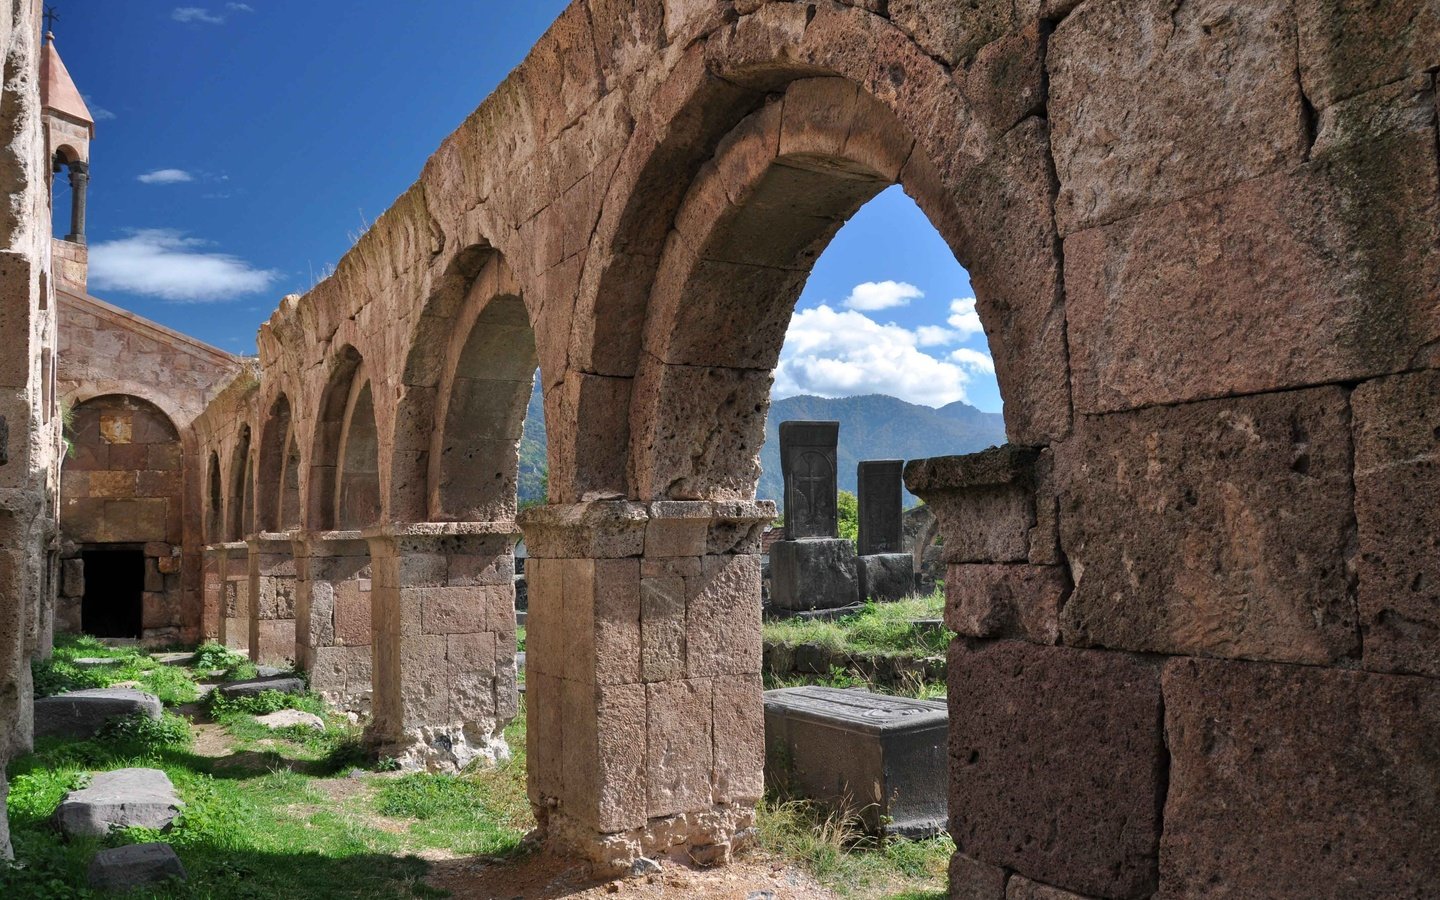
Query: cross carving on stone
{"points": [[811, 481]]}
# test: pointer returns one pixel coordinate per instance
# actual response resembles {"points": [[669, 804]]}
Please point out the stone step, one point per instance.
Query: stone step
{"points": [[81, 714], [286, 718], [173, 659], [122, 869], [124, 798]]}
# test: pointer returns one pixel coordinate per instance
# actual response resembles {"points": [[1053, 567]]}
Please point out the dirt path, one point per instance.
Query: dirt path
{"points": [[754, 876]]}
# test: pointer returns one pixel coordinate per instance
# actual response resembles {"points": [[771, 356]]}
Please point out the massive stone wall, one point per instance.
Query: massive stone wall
{"points": [[1203, 241], [29, 411]]}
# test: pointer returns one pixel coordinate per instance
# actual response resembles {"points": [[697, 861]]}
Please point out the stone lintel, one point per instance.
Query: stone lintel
{"points": [[613, 529]]}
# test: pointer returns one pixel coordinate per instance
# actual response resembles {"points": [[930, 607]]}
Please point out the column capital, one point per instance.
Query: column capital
{"points": [[611, 529]]}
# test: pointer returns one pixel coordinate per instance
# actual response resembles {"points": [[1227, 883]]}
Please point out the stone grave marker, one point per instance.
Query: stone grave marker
{"points": [[807, 465], [881, 506]]}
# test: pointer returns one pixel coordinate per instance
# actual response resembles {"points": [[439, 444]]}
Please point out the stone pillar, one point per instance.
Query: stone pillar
{"points": [[443, 625], [643, 691], [332, 616], [79, 180], [235, 606], [272, 598], [212, 591]]}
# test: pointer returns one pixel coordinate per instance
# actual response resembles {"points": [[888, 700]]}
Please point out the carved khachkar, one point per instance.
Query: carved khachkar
{"points": [[880, 505], [807, 463]]}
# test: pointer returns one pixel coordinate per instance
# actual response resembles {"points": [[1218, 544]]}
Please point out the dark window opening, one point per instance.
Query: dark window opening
{"points": [[114, 593]]}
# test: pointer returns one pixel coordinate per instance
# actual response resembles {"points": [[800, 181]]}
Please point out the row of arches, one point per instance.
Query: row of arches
{"points": [[459, 464]]}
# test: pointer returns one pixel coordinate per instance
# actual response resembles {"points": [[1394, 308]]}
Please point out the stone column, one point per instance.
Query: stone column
{"points": [[212, 591], [79, 180], [235, 605], [332, 616], [643, 692], [443, 623], [272, 598]]}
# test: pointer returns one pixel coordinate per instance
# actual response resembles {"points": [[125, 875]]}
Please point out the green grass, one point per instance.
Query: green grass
{"points": [[876, 628], [59, 674], [834, 849]]}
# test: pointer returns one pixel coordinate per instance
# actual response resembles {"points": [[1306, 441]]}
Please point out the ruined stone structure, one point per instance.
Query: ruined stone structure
{"points": [[1197, 593]]}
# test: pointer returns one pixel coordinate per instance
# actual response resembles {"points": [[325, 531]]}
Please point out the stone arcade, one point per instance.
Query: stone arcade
{"points": [[1198, 596]]}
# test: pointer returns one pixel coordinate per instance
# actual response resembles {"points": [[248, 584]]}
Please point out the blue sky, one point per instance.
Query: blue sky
{"points": [[241, 147]]}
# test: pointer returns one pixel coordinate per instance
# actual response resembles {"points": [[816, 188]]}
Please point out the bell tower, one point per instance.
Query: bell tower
{"points": [[69, 128]]}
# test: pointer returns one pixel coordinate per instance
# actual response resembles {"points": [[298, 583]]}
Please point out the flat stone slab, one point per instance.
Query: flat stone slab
{"points": [[271, 671], [94, 662], [126, 868], [285, 684], [81, 714], [883, 756], [173, 659], [288, 718], [124, 798]]}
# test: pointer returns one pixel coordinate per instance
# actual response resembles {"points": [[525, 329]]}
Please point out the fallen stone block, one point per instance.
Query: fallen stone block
{"points": [[124, 798], [288, 718], [94, 662], [127, 868], [81, 714], [173, 659], [881, 757], [886, 577], [285, 684]]}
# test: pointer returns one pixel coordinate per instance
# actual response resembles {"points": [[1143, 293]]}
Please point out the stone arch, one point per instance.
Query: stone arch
{"points": [[488, 378], [357, 478], [241, 507], [279, 502], [215, 501], [424, 367], [329, 432]]}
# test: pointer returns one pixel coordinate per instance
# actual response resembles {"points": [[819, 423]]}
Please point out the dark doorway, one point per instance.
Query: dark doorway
{"points": [[114, 593]]}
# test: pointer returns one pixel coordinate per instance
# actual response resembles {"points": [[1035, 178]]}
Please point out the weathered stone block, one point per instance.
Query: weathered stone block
{"points": [[1151, 103], [1334, 773], [285, 684], [1022, 888], [1350, 46], [679, 757], [1016, 601], [124, 869], [1397, 465], [81, 714], [985, 502], [813, 574], [971, 879], [722, 617], [1323, 274], [1220, 528], [124, 798], [739, 728], [1057, 764], [880, 757], [886, 577], [662, 628]]}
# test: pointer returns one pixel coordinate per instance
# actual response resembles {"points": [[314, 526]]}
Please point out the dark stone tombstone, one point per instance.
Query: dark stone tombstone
{"points": [[881, 507], [881, 757], [807, 464]]}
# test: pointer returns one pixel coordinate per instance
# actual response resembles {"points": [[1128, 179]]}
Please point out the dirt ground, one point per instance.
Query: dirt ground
{"points": [[753, 876]]}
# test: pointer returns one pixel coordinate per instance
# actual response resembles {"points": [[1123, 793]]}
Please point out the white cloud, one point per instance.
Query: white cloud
{"points": [[196, 14], [873, 295], [240, 7], [98, 113], [974, 360], [159, 262], [963, 317], [935, 336], [843, 353], [165, 176]]}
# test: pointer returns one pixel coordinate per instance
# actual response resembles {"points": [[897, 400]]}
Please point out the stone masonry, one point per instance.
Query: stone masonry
{"points": [[1196, 594]]}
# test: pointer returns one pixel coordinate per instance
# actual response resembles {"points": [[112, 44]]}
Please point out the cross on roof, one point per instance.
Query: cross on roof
{"points": [[51, 17]]}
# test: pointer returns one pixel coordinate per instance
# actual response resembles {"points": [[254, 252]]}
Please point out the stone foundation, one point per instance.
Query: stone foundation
{"points": [[271, 624], [235, 606], [443, 626], [332, 616], [644, 620]]}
